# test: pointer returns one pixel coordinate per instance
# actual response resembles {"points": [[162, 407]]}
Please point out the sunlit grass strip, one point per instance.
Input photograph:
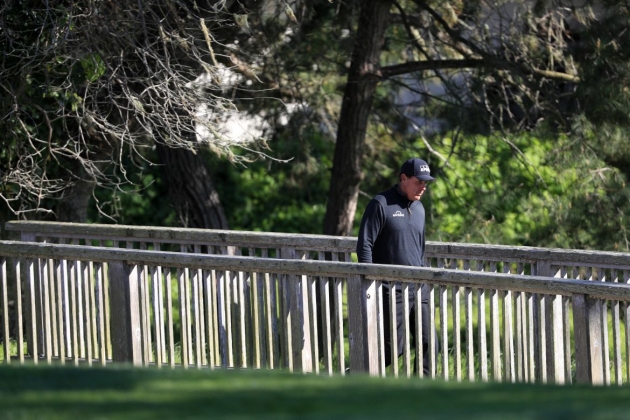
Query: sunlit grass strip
{"points": [[29, 392]]}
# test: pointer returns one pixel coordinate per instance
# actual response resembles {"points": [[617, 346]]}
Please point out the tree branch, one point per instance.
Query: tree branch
{"points": [[469, 63], [413, 66], [486, 59]]}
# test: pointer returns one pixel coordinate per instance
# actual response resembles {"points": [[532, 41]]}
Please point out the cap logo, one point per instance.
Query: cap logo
{"points": [[418, 168]]}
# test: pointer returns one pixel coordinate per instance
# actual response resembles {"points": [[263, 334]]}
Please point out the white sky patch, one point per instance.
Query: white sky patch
{"points": [[291, 108], [243, 128], [226, 125], [224, 76], [288, 34], [232, 126]]}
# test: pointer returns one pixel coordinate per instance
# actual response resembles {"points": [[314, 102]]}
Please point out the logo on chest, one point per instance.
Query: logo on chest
{"points": [[398, 214]]}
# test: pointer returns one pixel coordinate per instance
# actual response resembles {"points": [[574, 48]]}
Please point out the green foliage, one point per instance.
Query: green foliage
{"points": [[278, 197], [605, 66], [142, 201], [527, 190], [93, 66]]}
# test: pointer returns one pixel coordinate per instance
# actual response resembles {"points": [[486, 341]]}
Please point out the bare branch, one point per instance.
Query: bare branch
{"points": [[413, 66], [88, 86], [471, 63]]}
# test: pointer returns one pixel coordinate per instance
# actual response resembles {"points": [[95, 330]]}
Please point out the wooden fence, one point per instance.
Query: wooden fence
{"points": [[501, 313]]}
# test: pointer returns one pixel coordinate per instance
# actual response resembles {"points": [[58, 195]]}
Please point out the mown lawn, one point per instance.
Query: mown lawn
{"points": [[29, 392]]}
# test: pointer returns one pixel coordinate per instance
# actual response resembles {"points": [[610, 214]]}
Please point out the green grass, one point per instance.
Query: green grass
{"points": [[28, 392]]}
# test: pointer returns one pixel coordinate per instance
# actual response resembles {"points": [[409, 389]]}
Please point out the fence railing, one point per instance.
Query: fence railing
{"points": [[314, 315], [594, 265]]}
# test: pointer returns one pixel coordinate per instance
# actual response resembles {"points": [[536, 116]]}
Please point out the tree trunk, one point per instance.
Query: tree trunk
{"points": [[190, 188], [356, 107], [73, 207]]}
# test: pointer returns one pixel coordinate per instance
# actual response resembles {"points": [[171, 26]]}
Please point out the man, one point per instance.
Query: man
{"points": [[392, 232]]}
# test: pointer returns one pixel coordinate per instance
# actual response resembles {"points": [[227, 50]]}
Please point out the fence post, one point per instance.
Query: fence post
{"points": [[125, 313], [32, 321], [587, 327], [296, 300], [543, 268], [556, 337], [362, 323], [552, 341]]}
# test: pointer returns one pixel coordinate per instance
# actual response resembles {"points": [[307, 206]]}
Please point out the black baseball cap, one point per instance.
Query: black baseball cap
{"points": [[418, 168]]}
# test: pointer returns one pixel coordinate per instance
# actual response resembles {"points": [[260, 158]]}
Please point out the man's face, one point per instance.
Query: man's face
{"points": [[412, 187]]}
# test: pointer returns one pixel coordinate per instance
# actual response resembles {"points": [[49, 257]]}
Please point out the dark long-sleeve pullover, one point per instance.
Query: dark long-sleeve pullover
{"points": [[392, 230]]}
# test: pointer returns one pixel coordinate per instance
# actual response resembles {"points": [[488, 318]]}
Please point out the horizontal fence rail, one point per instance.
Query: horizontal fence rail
{"points": [[488, 320], [446, 254]]}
